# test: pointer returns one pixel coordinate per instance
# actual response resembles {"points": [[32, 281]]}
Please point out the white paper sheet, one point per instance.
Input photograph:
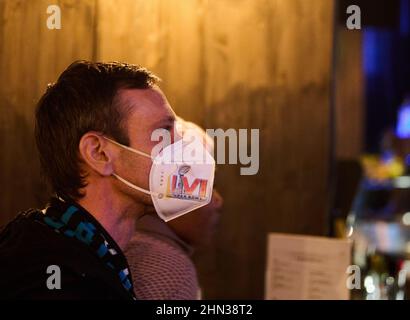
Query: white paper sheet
{"points": [[307, 267]]}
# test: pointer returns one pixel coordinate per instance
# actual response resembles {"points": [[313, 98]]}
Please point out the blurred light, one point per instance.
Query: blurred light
{"points": [[377, 48], [406, 219], [369, 285], [406, 267], [401, 279], [400, 295], [403, 123], [349, 232], [390, 281], [387, 156], [402, 182]]}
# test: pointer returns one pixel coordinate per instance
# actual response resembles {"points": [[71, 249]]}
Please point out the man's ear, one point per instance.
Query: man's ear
{"points": [[95, 151]]}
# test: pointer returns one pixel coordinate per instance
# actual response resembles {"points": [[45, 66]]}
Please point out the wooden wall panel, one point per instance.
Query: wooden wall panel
{"points": [[349, 94], [273, 75], [165, 36], [31, 56]]}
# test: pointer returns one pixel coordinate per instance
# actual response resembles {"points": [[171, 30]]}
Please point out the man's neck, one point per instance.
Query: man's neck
{"points": [[117, 218]]}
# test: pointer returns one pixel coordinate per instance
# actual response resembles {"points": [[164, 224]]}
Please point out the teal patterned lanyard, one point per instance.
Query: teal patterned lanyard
{"points": [[71, 220]]}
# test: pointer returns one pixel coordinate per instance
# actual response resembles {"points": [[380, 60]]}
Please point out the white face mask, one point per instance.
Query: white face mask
{"points": [[181, 178]]}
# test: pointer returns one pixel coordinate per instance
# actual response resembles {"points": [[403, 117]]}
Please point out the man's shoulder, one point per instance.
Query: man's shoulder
{"points": [[27, 250], [157, 256], [163, 270], [144, 243], [26, 237], [22, 228]]}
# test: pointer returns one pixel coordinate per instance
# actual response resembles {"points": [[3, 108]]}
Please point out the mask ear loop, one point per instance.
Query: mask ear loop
{"points": [[133, 186], [128, 148], [129, 184]]}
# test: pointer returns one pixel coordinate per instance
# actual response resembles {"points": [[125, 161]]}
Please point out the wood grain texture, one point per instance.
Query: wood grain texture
{"points": [[31, 56], [274, 75], [165, 36], [349, 95]]}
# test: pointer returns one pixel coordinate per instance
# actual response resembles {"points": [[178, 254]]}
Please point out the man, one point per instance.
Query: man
{"points": [[159, 253], [73, 248]]}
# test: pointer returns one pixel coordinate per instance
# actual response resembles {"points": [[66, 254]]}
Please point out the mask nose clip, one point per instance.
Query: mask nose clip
{"points": [[184, 169]]}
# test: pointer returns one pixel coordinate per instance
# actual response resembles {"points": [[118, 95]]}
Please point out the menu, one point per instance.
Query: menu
{"points": [[307, 267]]}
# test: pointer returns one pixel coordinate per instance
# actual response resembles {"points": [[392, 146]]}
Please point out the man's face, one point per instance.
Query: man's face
{"points": [[149, 110]]}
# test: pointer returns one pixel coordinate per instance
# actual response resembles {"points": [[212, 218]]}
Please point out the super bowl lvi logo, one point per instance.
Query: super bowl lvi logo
{"points": [[183, 185]]}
